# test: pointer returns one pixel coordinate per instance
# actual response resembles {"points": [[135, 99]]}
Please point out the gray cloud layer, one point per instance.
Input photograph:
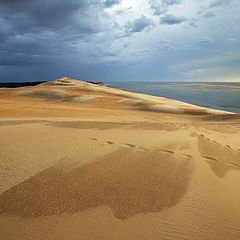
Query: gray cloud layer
{"points": [[119, 39]]}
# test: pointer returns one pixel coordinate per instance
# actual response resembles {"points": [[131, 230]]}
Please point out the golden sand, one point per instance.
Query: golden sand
{"points": [[85, 161]]}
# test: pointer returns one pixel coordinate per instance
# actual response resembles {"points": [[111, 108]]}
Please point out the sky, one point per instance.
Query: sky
{"points": [[120, 40]]}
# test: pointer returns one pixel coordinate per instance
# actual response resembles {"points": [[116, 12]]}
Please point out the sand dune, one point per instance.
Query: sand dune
{"points": [[85, 161]]}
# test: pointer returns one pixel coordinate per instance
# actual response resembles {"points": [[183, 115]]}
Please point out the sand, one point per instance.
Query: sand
{"points": [[85, 161]]}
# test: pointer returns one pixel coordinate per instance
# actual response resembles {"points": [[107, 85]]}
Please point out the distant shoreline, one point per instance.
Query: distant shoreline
{"points": [[212, 95], [20, 84]]}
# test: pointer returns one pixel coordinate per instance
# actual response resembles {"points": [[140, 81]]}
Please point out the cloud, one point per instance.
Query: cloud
{"points": [[110, 39], [45, 39], [217, 3], [167, 45], [172, 2], [205, 40], [209, 14], [171, 19], [231, 40], [139, 24], [161, 6], [194, 72], [111, 3], [42, 31], [193, 23], [53, 14]]}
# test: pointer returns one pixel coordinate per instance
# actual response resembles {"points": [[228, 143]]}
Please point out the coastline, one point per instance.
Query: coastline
{"points": [[57, 90], [212, 95]]}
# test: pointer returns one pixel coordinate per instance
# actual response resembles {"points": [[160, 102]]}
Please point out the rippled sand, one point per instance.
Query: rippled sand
{"points": [[84, 161]]}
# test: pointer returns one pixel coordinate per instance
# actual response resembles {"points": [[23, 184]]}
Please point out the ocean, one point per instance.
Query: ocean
{"points": [[216, 95]]}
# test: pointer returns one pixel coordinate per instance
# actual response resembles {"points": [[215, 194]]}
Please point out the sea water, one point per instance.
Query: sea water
{"points": [[217, 95]]}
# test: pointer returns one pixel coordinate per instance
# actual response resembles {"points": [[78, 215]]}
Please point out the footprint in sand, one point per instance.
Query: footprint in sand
{"points": [[143, 149], [130, 145], [211, 158], [167, 151], [94, 139], [107, 142], [234, 165], [193, 134]]}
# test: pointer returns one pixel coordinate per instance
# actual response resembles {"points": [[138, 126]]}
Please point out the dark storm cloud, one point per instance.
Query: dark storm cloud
{"points": [[34, 14], [35, 31], [139, 24], [31, 49], [41, 12], [171, 19]]}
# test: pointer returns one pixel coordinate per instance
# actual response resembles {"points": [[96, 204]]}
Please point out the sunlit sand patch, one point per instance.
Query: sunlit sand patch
{"points": [[128, 181], [145, 105]]}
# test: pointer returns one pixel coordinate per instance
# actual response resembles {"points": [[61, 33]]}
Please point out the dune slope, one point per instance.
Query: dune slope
{"points": [[85, 161]]}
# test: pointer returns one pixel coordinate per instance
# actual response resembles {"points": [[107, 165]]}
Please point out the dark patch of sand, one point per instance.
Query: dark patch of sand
{"points": [[128, 181]]}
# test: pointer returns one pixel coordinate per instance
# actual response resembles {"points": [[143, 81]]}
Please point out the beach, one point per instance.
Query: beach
{"points": [[80, 160]]}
